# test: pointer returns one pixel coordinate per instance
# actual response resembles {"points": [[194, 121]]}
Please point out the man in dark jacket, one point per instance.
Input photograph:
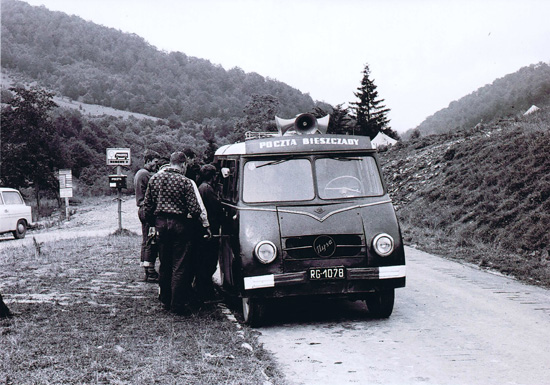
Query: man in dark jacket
{"points": [[171, 206], [207, 248], [148, 250]]}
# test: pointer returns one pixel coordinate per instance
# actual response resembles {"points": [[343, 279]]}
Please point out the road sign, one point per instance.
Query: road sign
{"points": [[65, 184], [118, 157], [117, 181]]}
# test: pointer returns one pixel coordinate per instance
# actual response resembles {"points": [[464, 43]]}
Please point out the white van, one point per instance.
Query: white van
{"points": [[15, 215]]}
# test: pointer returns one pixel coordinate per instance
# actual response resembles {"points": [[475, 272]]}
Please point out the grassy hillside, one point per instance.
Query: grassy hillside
{"points": [[504, 98], [479, 195]]}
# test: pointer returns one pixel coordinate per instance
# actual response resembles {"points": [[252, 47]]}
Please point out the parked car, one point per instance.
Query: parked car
{"points": [[15, 215]]}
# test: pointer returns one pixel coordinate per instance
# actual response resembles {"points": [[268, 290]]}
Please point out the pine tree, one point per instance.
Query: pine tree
{"points": [[368, 111]]}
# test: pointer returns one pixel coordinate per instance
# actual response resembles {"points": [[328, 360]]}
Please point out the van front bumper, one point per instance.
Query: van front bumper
{"points": [[356, 280]]}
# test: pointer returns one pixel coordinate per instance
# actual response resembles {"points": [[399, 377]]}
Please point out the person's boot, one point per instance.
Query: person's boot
{"points": [[4, 311], [151, 275]]}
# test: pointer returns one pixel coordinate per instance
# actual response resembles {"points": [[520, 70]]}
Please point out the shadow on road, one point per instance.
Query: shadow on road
{"points": [[297, 311]]}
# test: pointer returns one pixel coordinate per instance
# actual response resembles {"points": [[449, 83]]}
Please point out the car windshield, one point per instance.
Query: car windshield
{"points": [[278, 180], [348, 177], [291, 179]]}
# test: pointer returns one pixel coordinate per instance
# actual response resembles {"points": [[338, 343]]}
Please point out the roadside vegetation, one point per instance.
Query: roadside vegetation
{"points": [[479, 195], [83, 316]]}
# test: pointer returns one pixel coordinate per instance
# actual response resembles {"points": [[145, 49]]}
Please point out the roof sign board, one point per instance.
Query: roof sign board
{"points": [[307, 144], [118, 157]]}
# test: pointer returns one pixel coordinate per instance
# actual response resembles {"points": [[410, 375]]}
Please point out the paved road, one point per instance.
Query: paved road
{"points": [[452, 324]]}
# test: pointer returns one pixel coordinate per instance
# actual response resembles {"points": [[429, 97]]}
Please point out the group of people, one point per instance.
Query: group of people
{"points": [[178, 221]]}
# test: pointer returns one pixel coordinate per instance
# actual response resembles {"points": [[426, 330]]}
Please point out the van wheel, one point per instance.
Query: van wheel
{"points": [[253, 312], [380, 303], [20, 229]]}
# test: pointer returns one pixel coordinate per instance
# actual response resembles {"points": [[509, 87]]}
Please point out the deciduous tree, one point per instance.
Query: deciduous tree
{"points": [[30, 147], [259, 116], [339, 122]]}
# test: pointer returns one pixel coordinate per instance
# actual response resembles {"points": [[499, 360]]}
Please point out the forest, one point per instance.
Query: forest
{"points": [[99, 65]]}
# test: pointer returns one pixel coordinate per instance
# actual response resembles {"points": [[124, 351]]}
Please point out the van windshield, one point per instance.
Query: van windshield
{"points": [[348, 177], [278, 180], [290, 179]]}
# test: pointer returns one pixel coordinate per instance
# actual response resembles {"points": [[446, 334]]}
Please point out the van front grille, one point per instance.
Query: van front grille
{"points": [[324, 246]]}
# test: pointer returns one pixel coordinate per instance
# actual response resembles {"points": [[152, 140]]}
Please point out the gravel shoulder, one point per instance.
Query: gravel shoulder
{"points": [[94, 219]]}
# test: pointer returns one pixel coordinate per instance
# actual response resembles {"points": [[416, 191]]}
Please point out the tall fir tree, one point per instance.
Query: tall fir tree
{"points": [[368, 111]]}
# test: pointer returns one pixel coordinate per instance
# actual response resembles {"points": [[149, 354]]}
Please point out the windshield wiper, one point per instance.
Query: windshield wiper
{"points": [[278, 161], [347, 158]]}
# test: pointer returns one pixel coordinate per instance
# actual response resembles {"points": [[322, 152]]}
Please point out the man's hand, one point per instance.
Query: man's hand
{"points": [[208, 234], [152, 236]]}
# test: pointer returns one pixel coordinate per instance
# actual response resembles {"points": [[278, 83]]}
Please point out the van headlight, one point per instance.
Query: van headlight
{"points": [[265, 251], [383, 244]]}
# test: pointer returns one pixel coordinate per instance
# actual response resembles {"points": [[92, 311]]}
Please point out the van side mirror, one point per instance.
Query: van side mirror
{"points": [[225, 172]]}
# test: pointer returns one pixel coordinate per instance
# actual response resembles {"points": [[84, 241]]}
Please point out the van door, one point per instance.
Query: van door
{"points": [[229, 242]]}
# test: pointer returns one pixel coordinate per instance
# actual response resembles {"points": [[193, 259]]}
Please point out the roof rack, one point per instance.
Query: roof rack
{"points": [[249, 135]]}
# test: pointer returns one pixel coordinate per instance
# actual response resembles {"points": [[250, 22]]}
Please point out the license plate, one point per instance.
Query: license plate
{"points": [[322, 273]]}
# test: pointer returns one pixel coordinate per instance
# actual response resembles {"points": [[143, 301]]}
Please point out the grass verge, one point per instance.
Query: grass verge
{"points": [[533, 269], [83, 316]]}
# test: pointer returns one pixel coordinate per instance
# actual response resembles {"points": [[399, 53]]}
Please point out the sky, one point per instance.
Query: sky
{"points": [[422, 54]]}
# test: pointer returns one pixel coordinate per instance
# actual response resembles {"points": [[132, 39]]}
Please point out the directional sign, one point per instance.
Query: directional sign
{"points": [[118, 157], [65, 184]]}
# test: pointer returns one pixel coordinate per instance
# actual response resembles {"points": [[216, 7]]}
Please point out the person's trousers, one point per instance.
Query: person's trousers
{"points": [[149, 252], [176, 261], [206, 262]]}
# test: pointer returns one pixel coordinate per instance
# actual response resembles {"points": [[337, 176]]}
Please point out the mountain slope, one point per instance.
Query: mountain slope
{"points": [[481, 195], [99, 65]]}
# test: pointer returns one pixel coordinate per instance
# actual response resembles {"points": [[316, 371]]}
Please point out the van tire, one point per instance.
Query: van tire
{"points": [[380, 303], [20, 229], [253, 312]]}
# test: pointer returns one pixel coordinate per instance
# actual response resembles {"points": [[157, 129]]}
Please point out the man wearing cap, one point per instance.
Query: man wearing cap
{"points": [[141, 179]]}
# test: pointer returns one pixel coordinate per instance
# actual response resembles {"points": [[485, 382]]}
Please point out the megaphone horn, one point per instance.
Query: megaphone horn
{"points": [[283, 125], [305, 124]]}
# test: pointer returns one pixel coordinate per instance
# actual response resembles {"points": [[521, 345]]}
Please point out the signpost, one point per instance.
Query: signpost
{"points": [[66, 188], [118, 157]]}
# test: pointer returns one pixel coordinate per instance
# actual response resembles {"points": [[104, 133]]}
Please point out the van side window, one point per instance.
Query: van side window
{"points": [[229, 183]]}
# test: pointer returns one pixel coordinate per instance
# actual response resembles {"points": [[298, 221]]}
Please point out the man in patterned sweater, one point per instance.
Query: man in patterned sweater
{"points": [[171, 206]]}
